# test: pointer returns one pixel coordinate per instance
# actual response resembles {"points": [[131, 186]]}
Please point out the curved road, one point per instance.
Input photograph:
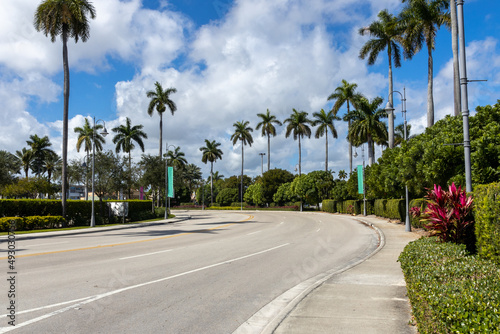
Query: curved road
{"points": [[207, 274]]}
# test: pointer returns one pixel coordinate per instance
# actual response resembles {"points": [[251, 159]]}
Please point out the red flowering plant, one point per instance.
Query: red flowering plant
{"points": [[449, 214]]}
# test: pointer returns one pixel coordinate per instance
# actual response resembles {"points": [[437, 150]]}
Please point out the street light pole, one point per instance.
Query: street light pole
{"points": [[104, 133], [167, 207], [463, 94], [390, 108]]}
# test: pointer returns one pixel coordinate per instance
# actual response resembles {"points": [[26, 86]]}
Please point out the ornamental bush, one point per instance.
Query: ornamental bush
{"points": [[487, 216], [31, 222], [450, 290]]}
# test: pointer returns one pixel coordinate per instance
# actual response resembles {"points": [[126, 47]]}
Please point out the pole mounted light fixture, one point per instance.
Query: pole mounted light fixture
{"points": [[390, 108], [104, 133]]}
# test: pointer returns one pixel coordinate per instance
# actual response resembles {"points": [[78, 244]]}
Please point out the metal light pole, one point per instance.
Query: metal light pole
{"points": [[463, 93], [262, 163], [104, 133], [390, 108]]}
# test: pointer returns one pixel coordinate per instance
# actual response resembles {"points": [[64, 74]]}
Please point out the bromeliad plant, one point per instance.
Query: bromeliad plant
{"points": [[449, 214]]}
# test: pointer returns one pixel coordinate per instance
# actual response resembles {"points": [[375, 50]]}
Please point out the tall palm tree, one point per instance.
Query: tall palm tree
{"points": [[160, 100], [298, 125], [325, 122], [399, 133], [176, 158], [25, 157], [346, 93], [387, 34], [40, 148], [191, 175], [211, 153], [50, 164], [454, 47], [68, 19], [124, 139], [421, 20], [242, 133], [367, 125], [268, 129]]}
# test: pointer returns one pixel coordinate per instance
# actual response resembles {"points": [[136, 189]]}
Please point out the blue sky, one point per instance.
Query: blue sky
{"points": [[228, 60]]}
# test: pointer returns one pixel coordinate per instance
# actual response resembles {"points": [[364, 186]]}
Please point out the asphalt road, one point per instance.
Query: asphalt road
{"points": [[207, 274]]}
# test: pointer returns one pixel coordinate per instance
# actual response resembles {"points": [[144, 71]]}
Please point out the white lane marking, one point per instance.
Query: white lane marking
{"points": [[52, 243], [318, 230], [110, 293], [134, 256], [254, 232], [46, 307]]}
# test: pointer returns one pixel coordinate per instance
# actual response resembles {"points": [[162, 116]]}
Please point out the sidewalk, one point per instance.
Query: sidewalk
{"points": [[369, 298]]}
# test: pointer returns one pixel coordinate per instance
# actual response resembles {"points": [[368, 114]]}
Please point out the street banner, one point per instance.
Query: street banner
{"points": [[360, 179], [170, 182]]}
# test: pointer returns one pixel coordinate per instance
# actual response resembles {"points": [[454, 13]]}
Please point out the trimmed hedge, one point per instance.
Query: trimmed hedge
{"points": [[31, 223], [354, 207], [390, 208], [487, 217], [450, 290], [422, 204]]}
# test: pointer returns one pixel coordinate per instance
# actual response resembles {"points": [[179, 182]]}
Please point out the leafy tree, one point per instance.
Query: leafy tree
{"points": [[227, 196], [153, 173], [367, 125], [346, 93], [160, 100], [234, 182], [421, 20], [242, 133], [254, 194], [342, 174], [268, 129], [68, 19], [284, 194], [28, 188], [339, 191], [211, 152], [313, 187], [387, 34], [298, 125], [272, 180], [325, 122]]}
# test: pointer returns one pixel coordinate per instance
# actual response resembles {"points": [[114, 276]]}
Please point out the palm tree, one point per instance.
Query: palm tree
{"points": [[399, 133], [346, 93], [387, 33], [211, 153], [25, 157], [69, 19], [298, 124], [51, 163], [124, 139], [40, 148], [342, 174], [268, 129], [160, 99], [191, 175], [325, 122], [421, 20], [454, 47], [176, 158], [242, 133], [367, 125]]}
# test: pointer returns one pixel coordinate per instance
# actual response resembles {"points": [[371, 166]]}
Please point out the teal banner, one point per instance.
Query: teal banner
{"points": [[170, 182], [360, 179]]}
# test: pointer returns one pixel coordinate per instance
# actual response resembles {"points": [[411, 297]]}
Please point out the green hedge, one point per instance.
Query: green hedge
{"points": [[31, 223], [451, 291], [390, 208], [487, 217], [347, 207]]}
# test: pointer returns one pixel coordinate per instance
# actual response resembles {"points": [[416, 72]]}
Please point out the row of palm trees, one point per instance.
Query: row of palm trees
{"points": [[406, 33]]}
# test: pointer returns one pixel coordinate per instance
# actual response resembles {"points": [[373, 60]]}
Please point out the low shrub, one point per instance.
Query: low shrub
{"points": [[450, 290], [487, 217], [31, 223], [421, 204]]}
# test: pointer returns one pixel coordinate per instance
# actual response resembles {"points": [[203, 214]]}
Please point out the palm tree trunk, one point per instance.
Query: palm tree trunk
{"points": [[65, 124], [430, 97], [391, 100], [161, 139], [350, 144], [326, 151], [130, 174], [268, 152], [454, 46], [300, 159], [241, 182], [370, 151], [211, 183]]}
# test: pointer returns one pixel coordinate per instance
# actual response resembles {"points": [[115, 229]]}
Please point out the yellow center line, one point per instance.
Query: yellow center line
{"points": [[129, 242]]}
